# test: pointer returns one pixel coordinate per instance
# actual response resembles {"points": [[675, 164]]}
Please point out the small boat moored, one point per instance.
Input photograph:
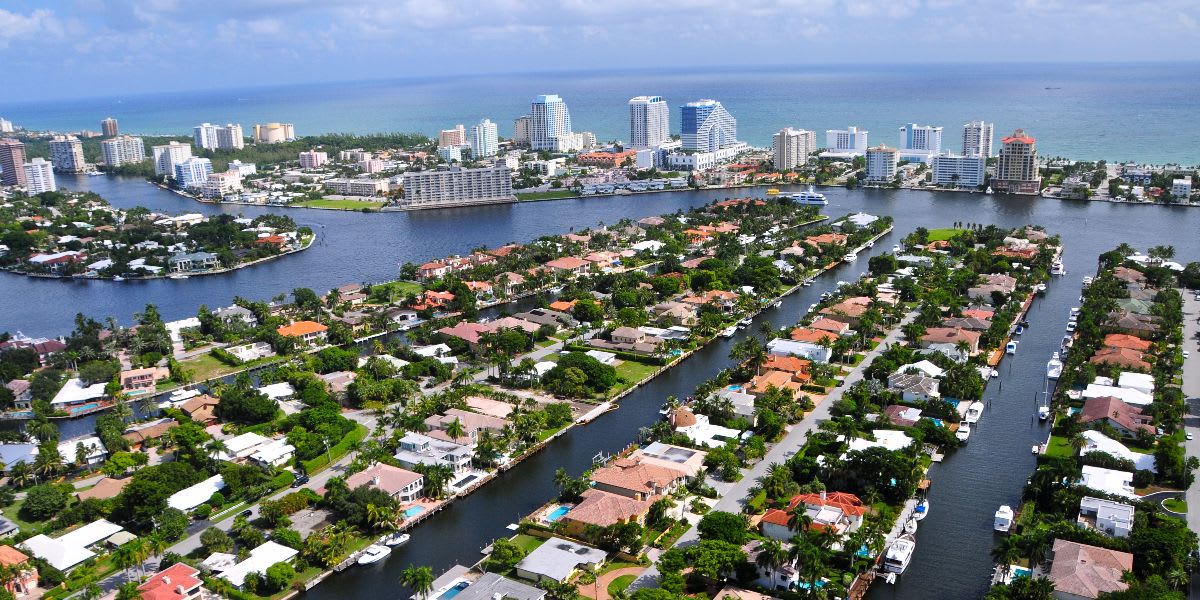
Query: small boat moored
{"points": [[1003, 519], [1043, 413], [974, 411], [899, 554], [910, 526], [922, 510], [373, 554], [1054, 367], [728, 331], [396, 539], [964, 432], [1010, 348]]}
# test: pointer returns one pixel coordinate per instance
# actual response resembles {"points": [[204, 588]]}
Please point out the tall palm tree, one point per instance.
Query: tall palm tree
{"points": [[420, 579], [455, 429], [771, 556], [1007, 552]]}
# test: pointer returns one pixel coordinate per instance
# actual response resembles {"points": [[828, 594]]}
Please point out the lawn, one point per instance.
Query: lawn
{"points": [[1175, 505], [1060, 447], [551, 195], [395, 290], [528, 543], [339, 204], [631, 372], [937, 235], [206, 366], [618, 585], [10, 513]]}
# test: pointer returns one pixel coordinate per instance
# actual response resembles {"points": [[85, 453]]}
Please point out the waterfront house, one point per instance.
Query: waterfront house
{"points": [[569, 266], [510, 283], [472, 423], [22, 394], [1096, 441], [901, 415], [419, 449], [489, 586], [826, 239], [838, 512], [44, 347], [848, 311], [725, 300], [604, 509], [781, 577], [261, 558], [937, 338], [979, 313], [968, 323], [1121, 357], [993, 282], [1118, 414], [401, 484], [177, 582], [1114, 519], [488, 406], [688, 460], [433, 300], [558, 560], [1083, 572], [141, 381], [196, 261], [201, 409], [76, 395], [700, 431], [251, 351], [137, 437], [805, 350], [1109, 481], [1130, 342], [833, 326], [913, 386], [433, 270], [22, 576], [307, 332], [638, 479], [1127, 275]]}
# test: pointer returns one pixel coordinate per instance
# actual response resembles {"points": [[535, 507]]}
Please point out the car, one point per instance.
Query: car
{"points": [[246, 513], [1187, 354], [1188, 435], [299, 481]]}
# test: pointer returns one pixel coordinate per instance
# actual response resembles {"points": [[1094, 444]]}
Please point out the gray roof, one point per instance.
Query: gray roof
{"points": [[195, 256], [491, 585], [558, 558], [11, 454]]}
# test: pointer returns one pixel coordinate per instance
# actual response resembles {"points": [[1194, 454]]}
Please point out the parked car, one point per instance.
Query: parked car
{"points": [[299, 481]]}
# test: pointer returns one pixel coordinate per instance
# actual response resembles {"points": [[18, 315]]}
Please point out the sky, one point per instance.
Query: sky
{"points": [[56, 49]]}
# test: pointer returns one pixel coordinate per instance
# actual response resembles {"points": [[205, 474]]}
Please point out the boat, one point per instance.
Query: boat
{"points": [[177, 276], [910, 526], [1040, 288], [777, 304], [95, 173], [993, 374], [1087, 281], [1074, 312], [373, 554], [746, 322], [1003, 519], [1019, 330], [988, 190], [1054, 367], [850, 256], [729, 331], [897, 249], [1043, 413], [1057, 268], [899, 554], [871, 244], [118, 278], [974, 411], [922, 510], [964, 432], [1010, 348], [809, 196], [1071, 325], [396, 539], [773, 191]]}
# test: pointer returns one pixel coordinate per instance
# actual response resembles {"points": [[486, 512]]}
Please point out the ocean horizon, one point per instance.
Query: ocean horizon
{"points": [[1136, 111]]}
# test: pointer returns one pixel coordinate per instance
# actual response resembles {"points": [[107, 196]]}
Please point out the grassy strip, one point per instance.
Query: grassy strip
{"points": [[339, 204], [337, 451], [552, 195], [937, 235]]}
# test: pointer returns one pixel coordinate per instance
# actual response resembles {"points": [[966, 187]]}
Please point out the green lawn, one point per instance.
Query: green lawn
{"points": [[206, 366], [528, 543], [618, 585], [1175, 505], [1060, 447], [339, 204], [395, 290], [551, 195], [10, 513], [634, 371], [937, 235]]}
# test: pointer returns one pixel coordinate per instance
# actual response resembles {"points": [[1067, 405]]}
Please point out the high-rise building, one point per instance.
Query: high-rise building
{"points": [[230, 137], [521, 127], [274, 133], [12, 162], [1016, 168], [882, 163], [109, 127], [452, 137], [549, 124], [707, 126], [167, 156], [123, 149], [977, 139], [484, 139], [792, 147], [649, 121], [39, 176], [848, 141], [919, 142], [204, 136], [6, 126], [193, 172], [66, 152], [958, 171], [313, 159], [455, 186]]}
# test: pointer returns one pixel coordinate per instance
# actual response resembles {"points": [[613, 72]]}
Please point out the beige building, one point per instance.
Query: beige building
{"points": [[274, 133], [66, 152], [1016, 168], [792, 147]]}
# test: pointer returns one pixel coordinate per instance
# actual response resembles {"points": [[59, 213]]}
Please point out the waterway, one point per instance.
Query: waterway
{"points": [[952, 558]]}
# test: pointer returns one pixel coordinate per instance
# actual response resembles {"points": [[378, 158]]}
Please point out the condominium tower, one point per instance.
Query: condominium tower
{"points": [[649, 121], [707, 126], [39, 176], [109, 127], [193, 172], [521, 130], [274, 133], [217, 137], [549, 124], [66, 153], [167, 156], [919, 142], [977, 139], [1016, 168], [484, 139], [456, 186], [452, 137], [123, 149], [792, 147], [848, 141], [881, 164], [12, 162]]}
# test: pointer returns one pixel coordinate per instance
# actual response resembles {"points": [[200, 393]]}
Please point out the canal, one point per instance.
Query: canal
{"points": [[954, 543]]}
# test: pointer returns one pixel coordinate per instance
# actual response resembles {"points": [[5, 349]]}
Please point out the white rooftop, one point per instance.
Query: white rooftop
{"points": [[191, 497], [96, 531], [1109, 481], [1098, 442], [1142, 382], [1133, 397], [75, 391], [261, 558], [276, 391], [927, 368], [60, 556]]}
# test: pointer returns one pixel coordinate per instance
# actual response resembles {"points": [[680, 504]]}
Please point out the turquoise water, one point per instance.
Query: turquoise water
{"points": [[557, 514], [413, 511], [1118, 112], [454, 591]]}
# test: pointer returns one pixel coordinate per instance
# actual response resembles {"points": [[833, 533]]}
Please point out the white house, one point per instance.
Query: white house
{"points": [[806, 350], [1109, 481], [1113, 519], [260, 559], [191, 497], [1098, 442]]}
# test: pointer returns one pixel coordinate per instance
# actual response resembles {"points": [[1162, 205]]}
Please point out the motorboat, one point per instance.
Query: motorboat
{"points": [[777, 304], [910, 526], [922, 510], [974, 411], [177, 276], [810, 196], [118, 278], [1087, 281], [1057, 268], [1040, 288], [729, 331], [396, 539], [1074, 312], [373, 554], [964, 432], [994, 374], [1071, 325], [899, 554], [1019, 330], [897, 249], [746, 322], [988, 190], [1004, 519], [1043, 413], [850, 257], [871, 244], [1010, 348], [772, 191], [1054, 367]]}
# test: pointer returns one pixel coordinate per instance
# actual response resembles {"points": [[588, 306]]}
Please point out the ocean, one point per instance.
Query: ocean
{"points": [[1142, 112]]}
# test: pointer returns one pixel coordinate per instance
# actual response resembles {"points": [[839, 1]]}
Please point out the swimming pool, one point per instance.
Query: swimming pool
{"points": [[413, 511], [85, 407], [1021, 572], [454, 591], [557, 514]]}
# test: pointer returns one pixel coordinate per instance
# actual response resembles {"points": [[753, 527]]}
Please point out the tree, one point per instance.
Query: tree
{"points": [[420, 579], [42, 502], [215, 540], [716, 559], [588, 311], [724, 526], [1024, 588], [241, 403], [455, 429], [505, 555], [277, 577]]}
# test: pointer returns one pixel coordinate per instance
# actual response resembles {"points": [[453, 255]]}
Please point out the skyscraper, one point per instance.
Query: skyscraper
{"points": [[12, 162], [452, 137], [850, 140], [881, 164], [919, 142], [521, 126], [169, 155], [649, 121], [977, 139], [193, 172], [122, 150], [707, 126], [230, 137], [1016, 168], [484, 139], [791, 148], [109, 127], [66, 153], [274, 133], [204, 136], [39, 176], [6, 126], [549, 124]]}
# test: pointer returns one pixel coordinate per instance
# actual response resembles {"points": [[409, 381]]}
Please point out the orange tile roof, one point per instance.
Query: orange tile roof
{"points": [[10, 556], [165, 584], [1124, 340], [300, 328], [849, 503], [812, 336]]}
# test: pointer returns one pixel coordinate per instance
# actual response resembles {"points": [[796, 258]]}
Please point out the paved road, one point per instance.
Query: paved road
{"points": [[1191, 390], [735, 495]]}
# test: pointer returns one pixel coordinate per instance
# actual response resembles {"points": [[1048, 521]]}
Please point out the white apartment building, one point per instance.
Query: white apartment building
{"points": [[484, 139], [167, 156], [66, 154], [881, 164], [919, 143], [242, 168], [977, 139], [230, 137], [218, 185], [702, 161], [1181, 188], [452, 137], [549, 124], [6, 126], [952, 170], [357, 186], [649, 121], [313, 159], [122, 150], [707, 126], [193, 172], [39, 177], [456, 186], [850, 141], [791, 148], [451, 154], [204, 136]]}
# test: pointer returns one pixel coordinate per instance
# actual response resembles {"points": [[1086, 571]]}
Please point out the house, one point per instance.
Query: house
{"points": [[401, 484], [979, 313], [901, 415], [781, 577], [1109, 481], [778, 380], [1121, 357], [93, 451], [308, 332], [466, 331], [839, 512], [968, 323], [950, 337], [569, 265], [1133, 324], [558, 560], [196, 261], [1114, 519], [725, 300], [688, 460], [812, 336], [1141, 382], [628, 335], [70, 549], [848, 311], [433, 300], [419, 449], [1126, 419], [1126, 395], [805, 350], [274, 454], [491, 586], [888, 439], [700, 430], [201, 409], [23, 575], [603, 509], [193, 496], [741, 402], [44, 347], [472, 423], [338, 382], [105, 488], [1080, 572], [1128, 275], [137, 437], [923, 367], [260, 559], [251, 351], [75, 394], [993, 282], [798, 367], [732, 592], [22, 394], [242, 446], [605, 358], [141, 381], [487, 406], [177, 582], [1131, 342], [637, 478], [833, 326], [826, 239], [510, 283], [1098, 442], [433, 270], [546, 316], [913, 386]]}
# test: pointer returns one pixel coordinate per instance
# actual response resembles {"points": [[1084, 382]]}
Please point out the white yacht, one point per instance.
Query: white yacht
{"points": [[1043, 413], [910, 526], [897, 249], [1054, 367], [1071, 325], [809, 196], [1004, 518], [1011, 347], [850, 257], [974, 411], [964, 431], [729, 331], [396, 539], [988, 190], [373, 554], [899, 554], [1058, 268]]}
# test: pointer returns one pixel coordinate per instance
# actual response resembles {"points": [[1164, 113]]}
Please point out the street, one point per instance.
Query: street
{"points": [[1191, 420]]}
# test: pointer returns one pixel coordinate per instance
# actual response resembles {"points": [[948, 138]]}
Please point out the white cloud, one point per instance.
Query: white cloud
{"points": [[40, 22]]}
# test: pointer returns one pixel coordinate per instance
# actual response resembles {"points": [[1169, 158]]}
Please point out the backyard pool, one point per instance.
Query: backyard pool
{"points": [[413, 511], [557, 514], [454, 591]]}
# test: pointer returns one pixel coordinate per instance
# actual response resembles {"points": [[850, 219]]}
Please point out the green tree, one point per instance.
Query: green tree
{"points": [[724, 526], [419, 579]]}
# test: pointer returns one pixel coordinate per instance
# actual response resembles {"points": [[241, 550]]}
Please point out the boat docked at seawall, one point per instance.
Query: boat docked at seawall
{"points": [[1003, 519], [1043, 413], [1054, 367], [810, 196], [922, 510], [1057, 268], [373, 554], [729, 331], [910, 526], [850, 257], [964, 432], [395, 539], [899, 554], [974, 411], [1010, 348]]}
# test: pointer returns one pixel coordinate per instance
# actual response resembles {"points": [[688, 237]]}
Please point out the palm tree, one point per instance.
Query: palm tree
{"points": [[21, 474], [215, 449], [771, 556], [1078, 442], [1007, 552], [420, 579], [455, 429]]}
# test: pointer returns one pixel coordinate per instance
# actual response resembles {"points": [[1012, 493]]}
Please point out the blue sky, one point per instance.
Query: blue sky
{"points": [[62, 48]]}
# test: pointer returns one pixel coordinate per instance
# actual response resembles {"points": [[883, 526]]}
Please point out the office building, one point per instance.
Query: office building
{"points": [[918, 143], [550, 124], [847, 142], [521, 127], [792, 147], [702, 161], [649, 121], [6, 126], [952, 170], [274, 133], [358, 186], [881, 164], [707, 126], [977, 139], [12, 162], [230, 137], [167, 156], [122, 150], [109, 127], [313, 159], [193, 172], [39, 176], [484, 139], [66, 152], [1016, 168], [452, 137], [456, 186]]}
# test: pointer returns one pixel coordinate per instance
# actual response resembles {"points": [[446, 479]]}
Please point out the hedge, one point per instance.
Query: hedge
{"points": [[621, 354], [337, 451], [224, 356]]}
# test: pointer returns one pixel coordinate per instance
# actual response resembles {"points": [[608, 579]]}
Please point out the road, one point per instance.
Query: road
{"points": [[1191, 391], [734, 496]]}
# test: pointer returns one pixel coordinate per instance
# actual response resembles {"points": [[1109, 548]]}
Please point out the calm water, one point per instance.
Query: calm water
{"points": [[1120, 112]]}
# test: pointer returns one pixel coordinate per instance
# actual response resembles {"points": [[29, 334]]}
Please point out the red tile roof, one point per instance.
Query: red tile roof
{"points": [[165, 584]]}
